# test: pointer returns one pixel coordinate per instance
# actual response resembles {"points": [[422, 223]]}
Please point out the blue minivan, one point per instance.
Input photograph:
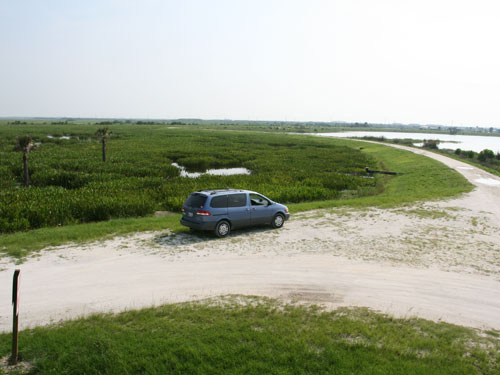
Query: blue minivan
{"points": [[222, 210]]}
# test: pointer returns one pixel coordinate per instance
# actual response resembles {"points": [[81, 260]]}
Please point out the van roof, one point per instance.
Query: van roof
{"points": [[225, 190]]}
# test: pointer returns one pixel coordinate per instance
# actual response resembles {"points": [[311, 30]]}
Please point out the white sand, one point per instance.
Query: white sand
{"points": [[435, 260]]}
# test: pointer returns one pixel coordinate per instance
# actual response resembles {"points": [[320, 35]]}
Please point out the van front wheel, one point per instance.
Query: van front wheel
{"points": [[278, 221], [222, 229]]}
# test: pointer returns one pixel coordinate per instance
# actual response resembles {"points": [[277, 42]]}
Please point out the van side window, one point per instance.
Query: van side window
{"points": [[237, 200], [219, 202], [258, 200]]}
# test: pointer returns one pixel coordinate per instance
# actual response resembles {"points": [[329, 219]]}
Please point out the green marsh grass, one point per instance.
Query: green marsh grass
{"points": [[70, 183], [259, 336]]}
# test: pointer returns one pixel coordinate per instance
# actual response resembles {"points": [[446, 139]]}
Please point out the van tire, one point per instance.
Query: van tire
{"points": [[278, 221], [222, 229]]}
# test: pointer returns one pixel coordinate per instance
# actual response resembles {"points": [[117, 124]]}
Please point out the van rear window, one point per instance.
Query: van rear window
{"points": [[196, 200]]}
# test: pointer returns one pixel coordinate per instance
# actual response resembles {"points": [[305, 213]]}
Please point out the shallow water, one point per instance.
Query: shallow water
{"points": [[61, 137], [212, 172], [475, 143], [227, 171], [184, 173]]}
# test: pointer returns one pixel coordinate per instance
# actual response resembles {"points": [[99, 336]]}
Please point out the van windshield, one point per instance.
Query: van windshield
{"points": [[196, 200]]}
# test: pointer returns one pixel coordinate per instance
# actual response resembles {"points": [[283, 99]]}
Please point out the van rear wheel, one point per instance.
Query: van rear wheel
{"points": [[222, 229]]}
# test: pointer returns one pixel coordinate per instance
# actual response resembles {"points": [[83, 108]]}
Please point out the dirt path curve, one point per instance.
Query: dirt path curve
{"points": [[486, 196], [436, 260]]}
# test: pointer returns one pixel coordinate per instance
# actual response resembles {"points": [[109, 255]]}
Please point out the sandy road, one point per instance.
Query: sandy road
{"points": [[436, 260], [486, 196]]}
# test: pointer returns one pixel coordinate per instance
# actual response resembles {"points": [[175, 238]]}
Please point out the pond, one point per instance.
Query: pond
{"points": [[61, 137], [475, 143], [213, 172]]}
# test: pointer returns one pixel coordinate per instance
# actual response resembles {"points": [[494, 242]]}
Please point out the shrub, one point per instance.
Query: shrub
{"points": [[485, 155], [430, 144]]}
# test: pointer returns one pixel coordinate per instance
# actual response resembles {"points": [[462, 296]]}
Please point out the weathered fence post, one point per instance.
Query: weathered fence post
{"points": [[15, 318]]}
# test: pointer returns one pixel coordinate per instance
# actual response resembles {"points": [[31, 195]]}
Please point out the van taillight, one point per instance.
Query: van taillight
{"points": [[202, 213]]}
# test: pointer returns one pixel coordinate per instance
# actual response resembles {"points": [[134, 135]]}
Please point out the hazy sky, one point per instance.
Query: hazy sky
{"points": [[419, 61]]}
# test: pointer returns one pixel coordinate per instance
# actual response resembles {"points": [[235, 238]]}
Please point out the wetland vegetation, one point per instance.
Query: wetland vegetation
{"points": [[70, 183]]}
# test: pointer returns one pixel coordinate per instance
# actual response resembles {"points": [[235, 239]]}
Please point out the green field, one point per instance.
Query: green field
{"points": [[255, 336], [70, 183]]}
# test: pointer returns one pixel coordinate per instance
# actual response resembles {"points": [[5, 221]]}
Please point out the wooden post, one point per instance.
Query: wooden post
{"points": [[15, 318]]}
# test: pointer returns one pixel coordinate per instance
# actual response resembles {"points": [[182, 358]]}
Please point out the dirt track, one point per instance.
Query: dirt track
{"points": [[436, 260]]}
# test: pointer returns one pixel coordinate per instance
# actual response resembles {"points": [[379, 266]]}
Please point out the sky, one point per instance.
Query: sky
{"points": [[384, 61]]}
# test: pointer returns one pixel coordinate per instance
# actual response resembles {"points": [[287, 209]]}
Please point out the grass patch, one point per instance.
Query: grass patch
{"points": [[427, 214], [254, 336]]}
